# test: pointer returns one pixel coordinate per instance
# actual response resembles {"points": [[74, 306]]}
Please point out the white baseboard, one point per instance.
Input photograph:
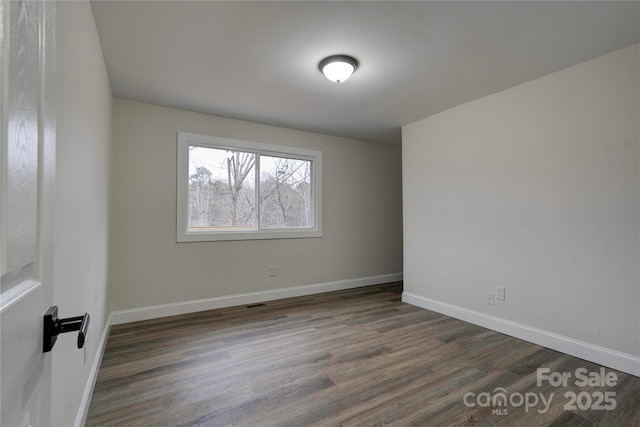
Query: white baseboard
{"points": [[601, 355], [81, 416], [164, 310]]}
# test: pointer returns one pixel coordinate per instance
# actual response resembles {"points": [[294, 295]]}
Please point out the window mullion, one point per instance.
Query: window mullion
{"points": [[257, 193]]}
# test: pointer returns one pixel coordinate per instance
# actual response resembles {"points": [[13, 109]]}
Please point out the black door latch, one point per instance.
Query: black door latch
{"points": [[54, 326]]}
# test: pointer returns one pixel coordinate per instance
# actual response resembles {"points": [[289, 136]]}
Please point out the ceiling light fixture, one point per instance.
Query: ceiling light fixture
{"points": [[338, 68]]}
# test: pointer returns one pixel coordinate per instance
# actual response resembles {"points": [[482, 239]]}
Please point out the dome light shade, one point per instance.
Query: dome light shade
{"points": [[338, 68]]}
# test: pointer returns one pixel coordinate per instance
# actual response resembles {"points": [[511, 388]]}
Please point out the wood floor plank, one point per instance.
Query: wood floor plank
{"points": [[358, 357]]}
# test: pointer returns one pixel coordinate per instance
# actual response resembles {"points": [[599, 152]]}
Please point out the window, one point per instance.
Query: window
{"points": [[239, 190]]}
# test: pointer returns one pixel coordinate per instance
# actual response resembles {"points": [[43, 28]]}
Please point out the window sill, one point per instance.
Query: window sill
{"points": [[248, 235]]}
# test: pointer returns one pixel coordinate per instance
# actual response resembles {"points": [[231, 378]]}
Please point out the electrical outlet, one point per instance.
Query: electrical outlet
{"points": [[500, 293], [271, 270], [491, 299]]}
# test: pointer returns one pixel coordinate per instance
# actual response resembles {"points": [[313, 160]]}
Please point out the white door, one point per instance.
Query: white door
{"points": [[27, 168]]}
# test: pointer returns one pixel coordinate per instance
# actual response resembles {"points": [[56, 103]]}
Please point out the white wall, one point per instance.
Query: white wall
{"points": [[362, 214], [82, 200], [536, 189]]}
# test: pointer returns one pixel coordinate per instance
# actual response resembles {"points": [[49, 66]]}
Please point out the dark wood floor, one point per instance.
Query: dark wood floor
{"points": [[354, 358]]}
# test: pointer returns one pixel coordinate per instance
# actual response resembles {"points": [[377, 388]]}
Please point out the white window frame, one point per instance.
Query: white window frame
{"points": [[186, 139]]}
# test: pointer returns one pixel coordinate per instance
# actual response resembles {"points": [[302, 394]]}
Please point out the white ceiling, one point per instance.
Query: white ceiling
{"points": [[258, 61]]}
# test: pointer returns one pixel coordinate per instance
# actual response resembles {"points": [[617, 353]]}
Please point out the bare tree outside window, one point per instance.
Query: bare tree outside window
{"points": [[222, 193], [221, 189], [285, 192], [239, 166]]}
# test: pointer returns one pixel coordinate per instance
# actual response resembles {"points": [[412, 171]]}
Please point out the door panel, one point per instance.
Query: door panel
{"points": [[27, 167], [21, 187], [22, 360]]}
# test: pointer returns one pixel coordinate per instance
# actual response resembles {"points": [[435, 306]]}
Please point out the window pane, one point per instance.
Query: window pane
{"points": [[221, 190], [285, 192]]}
